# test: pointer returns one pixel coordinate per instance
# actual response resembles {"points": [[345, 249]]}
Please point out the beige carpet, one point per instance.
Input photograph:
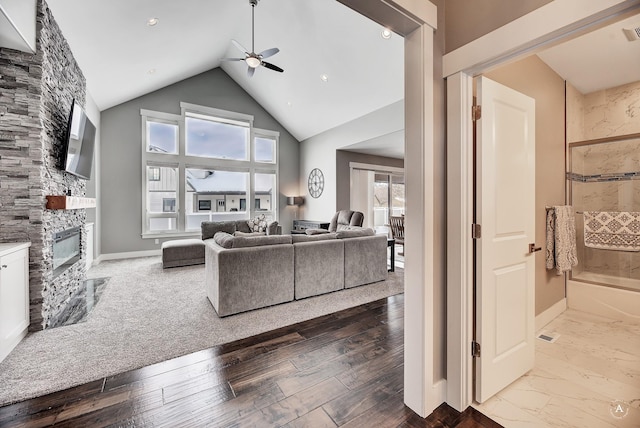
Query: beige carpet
{"points": [[147, 315]]}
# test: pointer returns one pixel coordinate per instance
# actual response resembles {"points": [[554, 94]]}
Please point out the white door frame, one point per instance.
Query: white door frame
{"points": [[424, 387], [553, 23]]}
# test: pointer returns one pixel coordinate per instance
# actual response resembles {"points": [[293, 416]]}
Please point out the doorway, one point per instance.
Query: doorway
{"points": [[424, 360], [462, 65]]}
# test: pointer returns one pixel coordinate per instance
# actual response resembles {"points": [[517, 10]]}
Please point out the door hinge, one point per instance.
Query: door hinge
{"points": [[475, 349], [476, 231], [476, 112]]}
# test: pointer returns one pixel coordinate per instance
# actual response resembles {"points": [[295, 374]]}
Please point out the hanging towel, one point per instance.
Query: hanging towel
{"points": [[561, 248], [612, 230]]}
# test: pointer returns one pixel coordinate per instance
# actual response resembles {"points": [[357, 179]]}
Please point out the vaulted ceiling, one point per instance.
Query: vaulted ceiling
{"points": [[123, 57]]}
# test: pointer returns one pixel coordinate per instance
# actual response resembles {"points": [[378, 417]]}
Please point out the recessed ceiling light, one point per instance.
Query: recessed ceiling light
{"points": [[324, 77], [289, 103], [152, 21], [152, 71], [386, 33]]}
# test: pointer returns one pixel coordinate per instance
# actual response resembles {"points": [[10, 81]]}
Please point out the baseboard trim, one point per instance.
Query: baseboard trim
{"points": [[550, 314], [126, 255]]}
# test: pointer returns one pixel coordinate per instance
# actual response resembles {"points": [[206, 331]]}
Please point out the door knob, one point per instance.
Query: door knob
{"points": [[533, 248]]}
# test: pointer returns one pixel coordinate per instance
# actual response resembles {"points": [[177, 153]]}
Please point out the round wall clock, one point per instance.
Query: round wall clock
{"points": [[316, 183]]}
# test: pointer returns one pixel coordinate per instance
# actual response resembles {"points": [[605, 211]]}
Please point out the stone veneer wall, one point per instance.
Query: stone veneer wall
{"points": [[36, 92]]}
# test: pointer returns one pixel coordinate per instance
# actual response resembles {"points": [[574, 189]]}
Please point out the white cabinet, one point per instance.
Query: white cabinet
{"points": [[90, 239], [14, 295]]}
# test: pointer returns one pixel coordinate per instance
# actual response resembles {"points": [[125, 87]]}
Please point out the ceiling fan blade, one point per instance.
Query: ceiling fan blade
{"points": [[250, 71], [231, 59], [239, 46], [272, 67], [268, 53]]}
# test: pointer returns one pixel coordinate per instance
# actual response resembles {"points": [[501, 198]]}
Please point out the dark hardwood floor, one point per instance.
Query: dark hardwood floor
{"points": [[343, 369]]}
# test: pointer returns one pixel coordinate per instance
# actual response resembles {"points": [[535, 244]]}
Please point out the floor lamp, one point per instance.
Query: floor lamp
{"points": [[295, 201]]}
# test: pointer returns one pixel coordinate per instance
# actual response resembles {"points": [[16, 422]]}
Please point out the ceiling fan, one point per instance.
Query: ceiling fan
{"points": [[253, 59]]}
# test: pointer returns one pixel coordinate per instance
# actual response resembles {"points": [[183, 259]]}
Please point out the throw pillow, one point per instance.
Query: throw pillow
{"points": [[223, 239], [258, 223]]}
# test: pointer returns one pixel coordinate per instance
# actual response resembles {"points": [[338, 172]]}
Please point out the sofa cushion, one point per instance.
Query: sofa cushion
{"points": [[355, 233], [242, 226], [316, 231], [223, 239], [210, 228], [238, 233], [311, 238], [258, 223], [256, 241]]}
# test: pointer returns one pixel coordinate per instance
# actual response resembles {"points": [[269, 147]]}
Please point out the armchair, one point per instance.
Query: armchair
{"points": [[342, 220], [345, 219]]}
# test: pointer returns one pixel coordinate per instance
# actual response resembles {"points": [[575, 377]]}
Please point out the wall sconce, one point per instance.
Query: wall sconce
{"points": [[295, 200]]}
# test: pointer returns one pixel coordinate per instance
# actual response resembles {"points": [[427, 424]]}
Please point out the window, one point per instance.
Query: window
{"points": [[388, 197], [154, 173], [264, 186], [204, 165], [204, 186], [162, 137], [161, 199], [207, 137], [265, 149], [169, 205]]}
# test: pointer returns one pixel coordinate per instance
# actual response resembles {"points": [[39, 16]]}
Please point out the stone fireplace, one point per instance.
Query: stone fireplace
{"points": [[36, 92]]}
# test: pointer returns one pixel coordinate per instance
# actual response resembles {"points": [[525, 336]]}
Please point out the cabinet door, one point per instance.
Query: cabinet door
{"points": [[14, 298]]}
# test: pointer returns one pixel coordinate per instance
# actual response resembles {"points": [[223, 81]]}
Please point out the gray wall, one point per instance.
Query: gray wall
{"points": [[343, 173], [120, 157]]}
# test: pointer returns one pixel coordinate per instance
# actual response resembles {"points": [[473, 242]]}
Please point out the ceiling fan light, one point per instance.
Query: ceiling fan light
{"points": [[253, 62]]}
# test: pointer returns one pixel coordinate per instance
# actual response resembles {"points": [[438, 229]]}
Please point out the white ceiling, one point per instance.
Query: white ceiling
{"points": [[116, 49], [601, 59]]}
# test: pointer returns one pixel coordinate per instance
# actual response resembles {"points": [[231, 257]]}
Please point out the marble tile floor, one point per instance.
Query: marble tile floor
{"points": [[82, 303], [579, 380]]}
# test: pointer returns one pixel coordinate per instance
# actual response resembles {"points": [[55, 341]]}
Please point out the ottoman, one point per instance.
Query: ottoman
{"points": [[182, 252]]}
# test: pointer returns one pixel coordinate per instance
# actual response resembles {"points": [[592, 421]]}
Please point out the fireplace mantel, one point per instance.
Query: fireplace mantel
{"points": [[69, 202]]}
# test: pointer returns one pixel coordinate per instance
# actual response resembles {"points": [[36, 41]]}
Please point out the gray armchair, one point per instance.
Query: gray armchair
{"points": [[345, 219], [342, 220]]}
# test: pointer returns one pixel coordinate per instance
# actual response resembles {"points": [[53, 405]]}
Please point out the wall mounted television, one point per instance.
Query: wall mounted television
{"points": [[79, 143]]}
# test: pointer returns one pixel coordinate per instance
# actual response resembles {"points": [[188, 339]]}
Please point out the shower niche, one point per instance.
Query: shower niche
{"points": [[604, 177]]}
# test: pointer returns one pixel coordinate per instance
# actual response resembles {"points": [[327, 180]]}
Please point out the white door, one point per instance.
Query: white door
{"points": [[505, 277]]}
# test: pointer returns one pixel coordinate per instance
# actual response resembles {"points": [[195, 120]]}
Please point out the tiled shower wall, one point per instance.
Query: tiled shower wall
{"points": [[606, 113], [36, 91], [605, 176]]}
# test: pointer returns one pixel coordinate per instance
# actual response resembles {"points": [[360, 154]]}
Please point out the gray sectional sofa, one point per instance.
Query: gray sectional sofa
{"points": [[246, 272]]}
